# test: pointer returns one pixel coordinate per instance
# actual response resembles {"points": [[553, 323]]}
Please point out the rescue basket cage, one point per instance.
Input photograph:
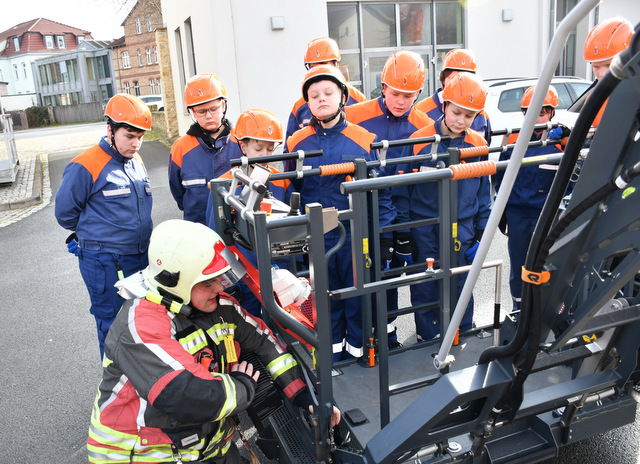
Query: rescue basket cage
{"points": [[563, 369]]}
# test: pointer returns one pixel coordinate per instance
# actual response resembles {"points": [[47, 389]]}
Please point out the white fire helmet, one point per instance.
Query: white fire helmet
{"points": [[184, 253]]}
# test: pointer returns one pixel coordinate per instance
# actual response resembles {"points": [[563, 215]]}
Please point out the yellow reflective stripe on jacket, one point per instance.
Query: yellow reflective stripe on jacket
{"points": [[230, 392], [218, 331], [281, 364], [219, 438], [109, 439], [194, 342]]}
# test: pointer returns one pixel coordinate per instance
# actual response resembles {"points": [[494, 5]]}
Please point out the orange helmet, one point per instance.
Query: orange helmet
{"points": [[325, 72], [203, 88], [127, 109], [259, 125], [607, 39], [551, 99], [465, 90], [460, 59], [321, 50], [404, 71]]}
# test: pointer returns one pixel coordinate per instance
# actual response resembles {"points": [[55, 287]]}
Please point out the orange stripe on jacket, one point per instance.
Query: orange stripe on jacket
{"points": [[182, 146], [359, 135], [94, 160]]}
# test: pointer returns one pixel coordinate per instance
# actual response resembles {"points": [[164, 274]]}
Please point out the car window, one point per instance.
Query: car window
{"points": [[510, 100], [579, 87], [564, 98]]}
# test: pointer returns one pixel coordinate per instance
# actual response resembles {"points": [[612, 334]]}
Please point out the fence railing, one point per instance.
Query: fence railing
{"points": [[8, 152]]}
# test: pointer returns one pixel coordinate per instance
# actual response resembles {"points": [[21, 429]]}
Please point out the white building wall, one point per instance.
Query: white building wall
{"points": [[508, 48], [260, 67]]}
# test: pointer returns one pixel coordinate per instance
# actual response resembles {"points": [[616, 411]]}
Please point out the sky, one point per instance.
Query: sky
{"points": [[100, 17]]}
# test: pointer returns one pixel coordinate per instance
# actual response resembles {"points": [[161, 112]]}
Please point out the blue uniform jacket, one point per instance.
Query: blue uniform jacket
{"points": [[301, 114], [421, 200], [342, 143], [192, 165], [533, 183], [374, 117], [432, 106], [106, 199]]}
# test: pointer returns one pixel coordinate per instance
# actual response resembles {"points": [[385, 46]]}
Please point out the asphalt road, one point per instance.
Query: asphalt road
{"points": [[49, 362]]}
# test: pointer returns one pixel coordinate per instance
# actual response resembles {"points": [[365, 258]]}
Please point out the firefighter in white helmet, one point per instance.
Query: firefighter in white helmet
{"points": [[172, 378]]}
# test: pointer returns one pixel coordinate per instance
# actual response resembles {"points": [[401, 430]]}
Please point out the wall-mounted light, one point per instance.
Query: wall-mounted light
{"points": [[277, 23], [507, 15]]}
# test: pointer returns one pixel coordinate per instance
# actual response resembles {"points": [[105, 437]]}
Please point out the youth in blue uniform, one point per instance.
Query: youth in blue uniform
{"points": [[392, 116], [323, 50], [257, 133], [464, 96], [105, 198], [326, 91], [529, 193], [455, 61], [203, 153]]}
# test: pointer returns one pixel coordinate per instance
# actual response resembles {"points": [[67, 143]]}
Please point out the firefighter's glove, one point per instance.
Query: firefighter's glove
{"points": [[72, 244], [386, 251], [405, 247]]}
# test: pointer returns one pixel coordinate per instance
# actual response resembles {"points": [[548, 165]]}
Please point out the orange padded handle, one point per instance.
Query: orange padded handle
{"points": [[469, 170], [472, 152], [340, 168]]}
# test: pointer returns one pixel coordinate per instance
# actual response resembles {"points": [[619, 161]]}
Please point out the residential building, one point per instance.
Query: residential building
{"points": [[82, 76], [24, 43], [135, 56], [259, 56]]}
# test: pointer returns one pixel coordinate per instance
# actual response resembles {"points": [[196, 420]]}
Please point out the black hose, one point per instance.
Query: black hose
{"points": [[542, 240], [535, 260]]}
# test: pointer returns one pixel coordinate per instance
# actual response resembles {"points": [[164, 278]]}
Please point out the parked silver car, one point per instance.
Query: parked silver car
{"points": [[153, 100], [504, 96]]}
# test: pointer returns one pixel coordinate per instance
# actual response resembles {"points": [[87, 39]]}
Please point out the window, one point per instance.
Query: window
{"points": [[155, 54], [139, 57], [24, 70], [80, 39], [127, 88], [159, 87], [126, 62], [559, 10], [368, 33], [149, 59], [138, 26], [152, 86], [149, 24], [48, 41], [16, 43], [136, 88], [191, 53], [60, 40], [100, 66], [15, 71], [91, 68], [105, 65]]}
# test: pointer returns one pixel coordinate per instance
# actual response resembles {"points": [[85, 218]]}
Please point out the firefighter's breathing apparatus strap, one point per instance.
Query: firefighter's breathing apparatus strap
{"points": [[168, 303], [535, 278]]}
